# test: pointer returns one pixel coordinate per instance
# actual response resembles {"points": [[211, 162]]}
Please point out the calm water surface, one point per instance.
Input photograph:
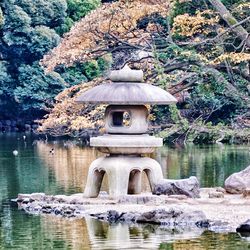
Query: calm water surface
{"points": [[35, 169]]}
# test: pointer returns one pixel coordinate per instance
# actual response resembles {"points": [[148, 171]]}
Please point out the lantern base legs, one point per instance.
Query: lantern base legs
{"points": [[124, 175]]}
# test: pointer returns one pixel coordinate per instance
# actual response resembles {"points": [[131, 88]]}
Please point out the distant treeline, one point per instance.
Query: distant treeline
{"points": [[28, 30]]}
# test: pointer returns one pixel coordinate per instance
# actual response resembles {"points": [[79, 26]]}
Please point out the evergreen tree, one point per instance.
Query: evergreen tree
{"points": [[28, 30]]}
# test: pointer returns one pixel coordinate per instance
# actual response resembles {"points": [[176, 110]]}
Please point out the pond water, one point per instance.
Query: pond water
{"points": [[60, 167]]}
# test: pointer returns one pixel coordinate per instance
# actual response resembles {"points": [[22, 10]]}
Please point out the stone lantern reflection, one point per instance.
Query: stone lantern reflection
{"points": [[126, 139]]}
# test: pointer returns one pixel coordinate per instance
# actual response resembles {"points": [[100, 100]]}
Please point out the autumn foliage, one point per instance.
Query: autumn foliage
{"points": [[71, 118], [189, 49], [104, 28]]}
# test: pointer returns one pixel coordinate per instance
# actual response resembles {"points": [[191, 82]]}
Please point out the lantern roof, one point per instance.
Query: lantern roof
{"points": [[127, 93], [126, 89]]}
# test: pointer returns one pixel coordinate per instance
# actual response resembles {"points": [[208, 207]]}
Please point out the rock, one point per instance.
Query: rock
{"points": [[244, 227], [172, 217], [61, 198], [246, 193], [178, 196], [27, 127], [113, 216], [203, 223], [67, 211], [215, 195], [37, 196], [238, 182], [100, 216], [188, 187], [196, 217], [129, 217], [8, 122], [34, 127], [37, 208], [103, 194], [139, 199], [219, 226], [21, 197], [57, 211], [26, 200], [220, 189], [156, 216]]}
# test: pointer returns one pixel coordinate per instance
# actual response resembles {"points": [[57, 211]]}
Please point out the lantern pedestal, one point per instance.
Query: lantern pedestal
{"points": [[124, 174], [126, 144]]}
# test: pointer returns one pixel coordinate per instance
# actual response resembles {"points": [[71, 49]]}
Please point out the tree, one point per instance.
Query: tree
{"points": [[187, 48], [24, 40], [29, 29], [75, 11], [231, 21], [109, 28], [35, 89]]}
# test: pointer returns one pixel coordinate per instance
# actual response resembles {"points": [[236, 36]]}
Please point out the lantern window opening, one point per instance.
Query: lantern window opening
{"points": [[121, 118]]}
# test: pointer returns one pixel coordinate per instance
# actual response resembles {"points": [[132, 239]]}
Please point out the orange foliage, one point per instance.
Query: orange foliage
{"points": [[102, 28], [233, 57], [68, 117], [186, 25]]}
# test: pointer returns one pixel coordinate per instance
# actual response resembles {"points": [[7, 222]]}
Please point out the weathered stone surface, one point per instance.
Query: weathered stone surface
{"points": [[244, 227], [129, 217], [220, 189], [178, 196], [167, 211], [23, 196], [246, 193], [139, 199], [128, 170], [37, 196], [219, 226], [216, 195], [188, 187], [238, 182], [171, 217], [27, 127], [126, 74]]}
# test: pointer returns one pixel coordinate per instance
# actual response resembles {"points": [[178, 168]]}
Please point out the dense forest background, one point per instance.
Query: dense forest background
{"points": [[197, 50], [28, 30]]}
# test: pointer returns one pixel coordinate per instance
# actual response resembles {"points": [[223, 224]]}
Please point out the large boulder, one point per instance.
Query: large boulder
{"points": [[189, 187], [237, 183], [244, 227]]}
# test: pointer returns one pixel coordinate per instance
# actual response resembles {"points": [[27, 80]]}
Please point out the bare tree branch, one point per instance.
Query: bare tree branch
{"points": [[231, 21]]}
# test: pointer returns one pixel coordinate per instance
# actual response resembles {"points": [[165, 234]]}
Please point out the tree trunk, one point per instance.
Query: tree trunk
{"points": [[230, 20]]}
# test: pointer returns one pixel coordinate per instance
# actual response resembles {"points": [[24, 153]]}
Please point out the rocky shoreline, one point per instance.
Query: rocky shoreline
{"points": [[222, 213]]}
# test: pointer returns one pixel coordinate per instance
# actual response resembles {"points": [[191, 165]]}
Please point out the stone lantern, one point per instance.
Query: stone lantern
{"points": [[125, 141]]}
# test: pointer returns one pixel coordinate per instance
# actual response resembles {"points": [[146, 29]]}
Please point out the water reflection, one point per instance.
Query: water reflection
{"points": [[209, 241], [94, 234], [211, 164], [74, 233], [70, 165], [123, 236], [35, 169]]}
